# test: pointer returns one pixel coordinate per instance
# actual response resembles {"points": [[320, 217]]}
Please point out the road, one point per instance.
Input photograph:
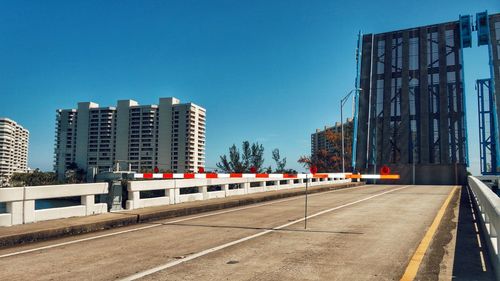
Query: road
{"points": [[361, 233]]}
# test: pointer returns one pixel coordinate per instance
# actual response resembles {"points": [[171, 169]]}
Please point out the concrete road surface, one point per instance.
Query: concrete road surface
{"points": [[361, 233]]}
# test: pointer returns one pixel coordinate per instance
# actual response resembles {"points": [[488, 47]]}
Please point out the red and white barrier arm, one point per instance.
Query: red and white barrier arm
{"points": [[374, 177], [236, 175]]}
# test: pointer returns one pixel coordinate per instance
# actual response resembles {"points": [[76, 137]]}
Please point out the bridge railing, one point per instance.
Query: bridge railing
{"points": [[20, 202], [187, 190], [13, 198], [488, 205]]}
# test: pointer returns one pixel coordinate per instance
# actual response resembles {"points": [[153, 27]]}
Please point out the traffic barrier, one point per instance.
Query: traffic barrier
{"points": [[20, 202], [235, 175], [488, 207], [13, 199], [261, 176], [227, 185], [372, 177]]}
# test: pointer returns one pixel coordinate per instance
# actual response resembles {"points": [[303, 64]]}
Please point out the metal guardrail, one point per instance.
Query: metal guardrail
{"points": [[488, 205]]}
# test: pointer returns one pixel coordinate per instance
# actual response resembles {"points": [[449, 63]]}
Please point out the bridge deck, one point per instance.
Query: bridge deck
{"points": [[360, 233]]}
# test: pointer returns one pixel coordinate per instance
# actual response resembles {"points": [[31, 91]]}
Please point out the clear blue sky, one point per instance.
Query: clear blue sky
{"points": [[267, 71]]}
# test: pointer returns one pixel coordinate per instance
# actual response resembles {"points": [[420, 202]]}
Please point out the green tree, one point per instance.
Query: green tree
{"points": [[35, 178], [280, 163], [74, 174], [236, 162]]}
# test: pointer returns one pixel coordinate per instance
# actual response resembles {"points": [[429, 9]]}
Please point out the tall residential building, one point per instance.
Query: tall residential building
{"points": [[13, 149], [319, 140], [169, 136], [412, 105]]}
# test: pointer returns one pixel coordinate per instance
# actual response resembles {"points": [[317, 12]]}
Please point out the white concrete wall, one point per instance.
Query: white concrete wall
{"points": [[13, 197], [488, 204], [173, 187], [21, 202]]}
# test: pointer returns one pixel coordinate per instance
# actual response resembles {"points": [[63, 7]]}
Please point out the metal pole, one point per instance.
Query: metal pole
{"points": [[370, 111], [342, 129], [413, 170], [305, 209]]}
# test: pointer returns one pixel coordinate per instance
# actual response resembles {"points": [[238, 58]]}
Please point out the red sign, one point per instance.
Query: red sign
{"points": [[385, 170], [313, 169], [156, 170], [253, 170], [201, 170]]}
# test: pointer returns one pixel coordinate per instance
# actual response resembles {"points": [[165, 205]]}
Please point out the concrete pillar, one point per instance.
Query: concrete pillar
{"points": [[88, 201], [135, 197], [246, 186], [16, 211], [171, 195], [204, 191], [29, 211], [225, 187]]}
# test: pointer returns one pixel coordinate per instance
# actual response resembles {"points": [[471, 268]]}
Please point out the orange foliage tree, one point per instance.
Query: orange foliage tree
{"points": [[330, 160]]}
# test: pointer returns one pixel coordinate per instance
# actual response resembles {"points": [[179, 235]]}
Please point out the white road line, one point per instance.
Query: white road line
{"points": [[483, 264], [479, 240], [171, 222], [241, 240]]}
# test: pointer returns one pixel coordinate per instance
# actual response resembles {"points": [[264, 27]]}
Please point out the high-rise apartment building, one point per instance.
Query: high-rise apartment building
{"points": [[13, 149], [169, 136], [319, 140], [412, 106]]}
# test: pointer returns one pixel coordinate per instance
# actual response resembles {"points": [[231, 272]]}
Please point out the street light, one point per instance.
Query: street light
{"points": [[342, 102]]}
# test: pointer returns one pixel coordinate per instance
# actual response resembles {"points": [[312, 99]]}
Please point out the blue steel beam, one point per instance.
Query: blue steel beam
{"points": [[356, 103]]}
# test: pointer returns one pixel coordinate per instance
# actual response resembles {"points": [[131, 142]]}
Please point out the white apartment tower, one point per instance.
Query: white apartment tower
{"points": [[13, 149], [169, 136]]}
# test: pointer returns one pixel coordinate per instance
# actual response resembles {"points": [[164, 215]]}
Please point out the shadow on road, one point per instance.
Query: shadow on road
{"points": [[467, 263]]}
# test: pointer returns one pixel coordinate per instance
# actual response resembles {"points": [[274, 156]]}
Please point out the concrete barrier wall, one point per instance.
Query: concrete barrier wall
{"points": [[488, 205], [20, 202], [13, 198], [247, 186]]}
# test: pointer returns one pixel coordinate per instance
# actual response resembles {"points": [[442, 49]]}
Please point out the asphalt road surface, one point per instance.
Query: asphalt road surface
{"points": [[361, 233]]}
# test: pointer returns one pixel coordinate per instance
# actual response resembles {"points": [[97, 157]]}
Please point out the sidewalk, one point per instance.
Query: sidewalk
{"points": [[26, 233]]}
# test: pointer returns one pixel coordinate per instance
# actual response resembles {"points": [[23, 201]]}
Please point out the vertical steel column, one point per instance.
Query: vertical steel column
{"points": [[444, 128], [386, 124], [424, 98], [404, 128]]}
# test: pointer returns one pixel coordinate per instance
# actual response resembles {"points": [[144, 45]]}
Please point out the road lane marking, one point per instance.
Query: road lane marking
{"points": [[173, 222], [241, 240], [483, 264], [418, 256]]}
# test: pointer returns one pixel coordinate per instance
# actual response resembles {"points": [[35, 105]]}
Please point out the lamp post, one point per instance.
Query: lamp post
{"points": [[342, 103]]}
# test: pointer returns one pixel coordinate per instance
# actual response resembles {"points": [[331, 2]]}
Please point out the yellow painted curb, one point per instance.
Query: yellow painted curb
{"points": [[418, 256]]}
